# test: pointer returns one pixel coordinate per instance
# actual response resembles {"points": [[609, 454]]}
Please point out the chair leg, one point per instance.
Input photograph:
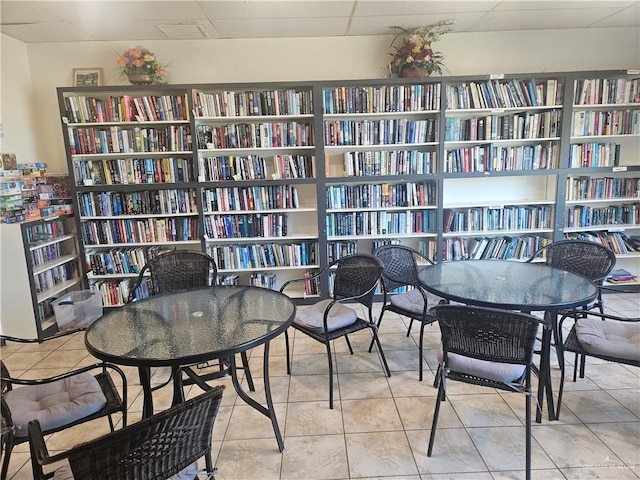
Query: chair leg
{"points": [[286, 343], [436, 380], [583, 359], [527, 397], [378, 326], [380, 351], [346, 337], [328, 345], [8, 447], [436, 412], [247, 371], [420, 359], [409, 329]]}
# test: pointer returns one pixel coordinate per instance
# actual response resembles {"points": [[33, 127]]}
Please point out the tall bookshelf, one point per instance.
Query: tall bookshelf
{"points": [[40, 263], [284, 177]]}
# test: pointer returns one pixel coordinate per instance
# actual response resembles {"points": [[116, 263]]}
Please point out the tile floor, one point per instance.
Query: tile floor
{"points": [[380, 426]]}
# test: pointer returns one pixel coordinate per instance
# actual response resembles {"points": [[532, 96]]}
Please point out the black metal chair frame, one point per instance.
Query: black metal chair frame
{"points": [[582, 257], [115, 402], [401, 264], [572, 344], [493, 335], [180, 270], [157, 447], [356, 277]]}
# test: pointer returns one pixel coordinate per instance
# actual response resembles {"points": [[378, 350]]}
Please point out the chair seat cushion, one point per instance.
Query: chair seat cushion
{"points": [[313, 316], [496, 371], [55, 404], [411, 300], [611, 338]]}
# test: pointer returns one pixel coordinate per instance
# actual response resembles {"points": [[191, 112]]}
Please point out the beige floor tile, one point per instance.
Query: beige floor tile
{"points": [[623, 438], [596, 406], [360, 362], [313, 364], [613, 472], [453, 452], [397, 341], [315, 458], [406, 384], [246, 422], [611, 375], [404, 360], [249, 459], [573, 446], [416, 413], [483, 410], [379, 454], [313, 418], [370, 415], [363, 385], [307, 388], [629, 397]]}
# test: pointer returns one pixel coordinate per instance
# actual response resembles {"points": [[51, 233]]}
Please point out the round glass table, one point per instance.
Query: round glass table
{"points": [[189, 327], [513, 285]]}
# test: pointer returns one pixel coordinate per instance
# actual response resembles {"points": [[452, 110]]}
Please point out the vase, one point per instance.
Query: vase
{"points": [[413, 72], [140, 78]]}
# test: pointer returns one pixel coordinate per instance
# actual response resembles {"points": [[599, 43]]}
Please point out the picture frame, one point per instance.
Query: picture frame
{"points": [[88, 77]]}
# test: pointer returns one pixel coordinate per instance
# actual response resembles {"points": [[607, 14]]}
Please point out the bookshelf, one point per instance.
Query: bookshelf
{"points": [[276, 179], [602, 200], [40, 263]]}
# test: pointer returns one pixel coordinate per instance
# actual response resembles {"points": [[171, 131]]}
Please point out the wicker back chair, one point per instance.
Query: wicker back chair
{"points": [[355, 279], [589, 259], [503, 337], [21, 404], [181, 270], [158, 447], [402, 291], [176, 270]]}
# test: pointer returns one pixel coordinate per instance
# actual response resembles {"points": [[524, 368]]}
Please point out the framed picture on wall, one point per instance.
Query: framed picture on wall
{"points": [[87, 77]]}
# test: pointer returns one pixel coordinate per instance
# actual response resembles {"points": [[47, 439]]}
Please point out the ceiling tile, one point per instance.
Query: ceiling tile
{"points": [[24, 12], [381, 25], [420, 7], [555, 4], [276, 9], [540, 19], [629, 17], [46, 32], [281, 28], [118, 10]]}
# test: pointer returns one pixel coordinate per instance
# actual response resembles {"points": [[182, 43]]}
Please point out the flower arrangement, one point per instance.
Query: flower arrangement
{"points": [[412, 49], [141, 61]]}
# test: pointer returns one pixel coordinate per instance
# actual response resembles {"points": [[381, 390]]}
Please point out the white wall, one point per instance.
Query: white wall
{"points": [[263, 60], [16, 101]]}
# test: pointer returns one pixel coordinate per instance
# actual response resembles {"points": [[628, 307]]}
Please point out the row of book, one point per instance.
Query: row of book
{"points": [[145, 202], [118, 261], [55, 276], [603, 91], [254, 167], [256, 198], [133, 171], [246, 226], [620, 275], [380, 223], [45, 254], [115, 139], [379, 132], [586, 216], [256, 135], [612, 122], [508, 217], [618, 242], [492, 248], [595, 188], [263, 279], [253, 103], [512, 93], [593, 155], [381, 195], [518, 126], [397, 162], [382, 99], [487, 158], [147, 230], [115, 293], [126, 108], [44, 232], [235, 257]]}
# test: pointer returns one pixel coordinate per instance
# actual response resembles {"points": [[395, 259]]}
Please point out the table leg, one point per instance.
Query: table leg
{"points": [[147, 400], [269, 411], [178, 388], [544, 387]]}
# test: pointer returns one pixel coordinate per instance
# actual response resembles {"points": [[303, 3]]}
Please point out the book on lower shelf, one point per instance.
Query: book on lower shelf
{"points": [[620, 275]]}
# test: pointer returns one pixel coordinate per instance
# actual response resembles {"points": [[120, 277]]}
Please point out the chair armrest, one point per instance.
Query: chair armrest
{"points": [[39, 451], [41, 381]]}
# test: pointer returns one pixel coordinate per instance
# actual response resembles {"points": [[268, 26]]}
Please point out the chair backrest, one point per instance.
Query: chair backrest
{"points": [[357, 276], [177, 270], [400, 266], [589, 259], [487, 333], [155, 448]]}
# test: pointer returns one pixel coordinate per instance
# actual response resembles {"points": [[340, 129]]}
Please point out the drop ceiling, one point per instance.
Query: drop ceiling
{"points": [[34, 21]]}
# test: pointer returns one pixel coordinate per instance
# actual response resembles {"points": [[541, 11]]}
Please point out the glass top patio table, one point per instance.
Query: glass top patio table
{"points": [[189, 327], [514, 285]]}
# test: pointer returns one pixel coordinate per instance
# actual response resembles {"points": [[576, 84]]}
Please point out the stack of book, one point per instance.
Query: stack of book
{"points": [[620, 275]]}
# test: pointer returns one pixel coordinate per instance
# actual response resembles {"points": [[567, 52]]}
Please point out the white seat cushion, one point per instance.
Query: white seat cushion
{"points": [[611, 338], [496, 371], [313, 316], [55, 404], [411, 300]]}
